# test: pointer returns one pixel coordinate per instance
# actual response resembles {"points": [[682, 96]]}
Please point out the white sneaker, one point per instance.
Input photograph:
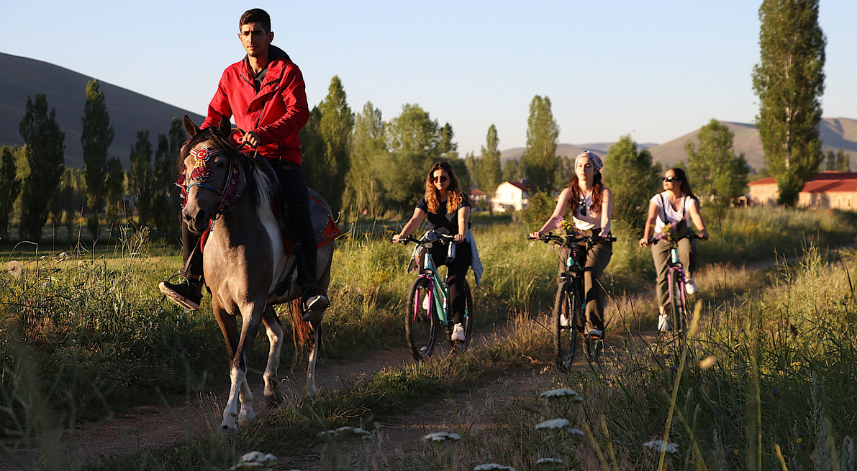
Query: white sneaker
{"points": [[663, 324], [563, 321], [690, 285], [426, 303], [458, 333], [595, 333]]}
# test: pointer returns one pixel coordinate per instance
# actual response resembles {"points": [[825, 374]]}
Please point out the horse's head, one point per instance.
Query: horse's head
{"points": [[212, 175]]}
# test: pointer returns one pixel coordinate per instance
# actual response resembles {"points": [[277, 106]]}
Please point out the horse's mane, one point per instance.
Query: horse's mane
{"points": [[260, 187]]}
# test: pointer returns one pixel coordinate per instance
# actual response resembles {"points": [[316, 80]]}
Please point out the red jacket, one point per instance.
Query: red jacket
{"points": [[276, 113]]}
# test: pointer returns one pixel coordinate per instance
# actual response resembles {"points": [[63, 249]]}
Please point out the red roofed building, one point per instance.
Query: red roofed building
{"points": [[825, 190]]}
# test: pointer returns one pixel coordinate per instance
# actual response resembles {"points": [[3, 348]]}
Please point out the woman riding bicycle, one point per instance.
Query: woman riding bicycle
{"points": [[676, 206], [592, 206], [448, 211]]}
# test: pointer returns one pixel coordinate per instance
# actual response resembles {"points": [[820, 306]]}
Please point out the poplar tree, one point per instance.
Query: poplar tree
{"points": [[10, 187], [539, 159], [368, 152], [718, 174], [96, 138], [843, 161], [831, 160], [633, 179], [414, 141], [45, 152], [114, 189], [335, 126], [490, 172], [162, 179], [141, 176], [789, 81]]}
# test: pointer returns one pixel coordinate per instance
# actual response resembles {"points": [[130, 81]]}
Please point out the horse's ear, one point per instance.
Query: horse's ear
{"points": [[225, 126], [190, 127]]}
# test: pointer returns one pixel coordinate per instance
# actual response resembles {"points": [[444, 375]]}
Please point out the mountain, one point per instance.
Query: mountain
{"points": [[836, 133], [66, 92], [568, 150]]}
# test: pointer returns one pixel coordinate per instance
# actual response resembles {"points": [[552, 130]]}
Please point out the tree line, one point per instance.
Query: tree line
{"points": [[366, 166], [36, 185]]}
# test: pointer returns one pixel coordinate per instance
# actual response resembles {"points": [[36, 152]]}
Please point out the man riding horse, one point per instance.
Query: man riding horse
{"points": [[265, 93]]}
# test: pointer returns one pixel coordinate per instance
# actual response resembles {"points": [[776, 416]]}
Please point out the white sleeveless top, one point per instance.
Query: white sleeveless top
{"points": [[585, 216], [665, 209]]}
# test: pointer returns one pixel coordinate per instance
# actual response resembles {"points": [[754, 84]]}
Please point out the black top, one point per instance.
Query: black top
{"points": [[448, 221]]}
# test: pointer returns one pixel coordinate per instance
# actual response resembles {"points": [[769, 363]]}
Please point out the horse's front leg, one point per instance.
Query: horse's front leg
{"points": [[239, 389], [275, 338]]}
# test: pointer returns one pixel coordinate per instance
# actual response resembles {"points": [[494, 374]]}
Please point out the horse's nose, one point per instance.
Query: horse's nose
{"points": [[196, 222]]}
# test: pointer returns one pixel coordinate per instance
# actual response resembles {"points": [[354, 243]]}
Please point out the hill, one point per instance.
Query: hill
{"points": [[66, 92], [836, 133], [567, 150]]}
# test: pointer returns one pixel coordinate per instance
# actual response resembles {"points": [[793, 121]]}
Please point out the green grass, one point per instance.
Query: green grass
{"points": [[90, 335]]}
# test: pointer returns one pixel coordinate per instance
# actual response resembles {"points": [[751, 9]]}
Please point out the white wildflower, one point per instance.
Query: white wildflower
{"points": [[554, 393], [442, 437], [708, 362], [353, 432], [659, 445], [553, 424], [254, 460], [14, 268], [549, 461], [490, 466], [576, 431], [62, 256]]}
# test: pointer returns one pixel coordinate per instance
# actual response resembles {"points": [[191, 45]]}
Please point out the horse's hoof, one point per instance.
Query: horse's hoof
{"points": [[273, 400], [229, 429]]}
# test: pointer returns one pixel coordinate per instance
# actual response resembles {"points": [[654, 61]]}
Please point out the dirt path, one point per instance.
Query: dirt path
{"points": [[158, 425]]}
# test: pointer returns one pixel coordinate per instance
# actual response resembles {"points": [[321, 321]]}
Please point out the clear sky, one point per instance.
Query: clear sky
{"points": [[656, 69]]}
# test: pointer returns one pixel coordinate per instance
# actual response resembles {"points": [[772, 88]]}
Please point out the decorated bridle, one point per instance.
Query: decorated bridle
{"points": [[201, 176]]}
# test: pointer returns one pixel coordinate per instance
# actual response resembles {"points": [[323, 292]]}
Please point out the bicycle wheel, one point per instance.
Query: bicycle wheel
{"points": [[420, 324], [565, 328], [677, 307]]}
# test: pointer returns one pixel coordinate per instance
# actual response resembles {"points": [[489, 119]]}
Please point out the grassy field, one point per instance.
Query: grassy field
{"points": [[87, 333]]}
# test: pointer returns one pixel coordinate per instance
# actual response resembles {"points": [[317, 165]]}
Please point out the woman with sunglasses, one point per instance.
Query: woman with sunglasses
{"points": [[448, 211], [676, 205], [591, 207]]}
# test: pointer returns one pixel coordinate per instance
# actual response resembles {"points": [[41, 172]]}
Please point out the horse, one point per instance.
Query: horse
{"points": [[247, 264]]}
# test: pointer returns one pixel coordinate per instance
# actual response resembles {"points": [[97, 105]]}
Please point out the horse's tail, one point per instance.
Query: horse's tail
{"points": [[302, 330]]}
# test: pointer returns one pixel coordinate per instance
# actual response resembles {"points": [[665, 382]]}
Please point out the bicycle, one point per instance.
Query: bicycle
{"points": [[569, 310], [428, 305], [676, 284]]}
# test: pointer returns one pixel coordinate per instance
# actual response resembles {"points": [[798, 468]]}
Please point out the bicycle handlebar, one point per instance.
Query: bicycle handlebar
{"points": [[655, 240], [569, 240], [442, 238]]}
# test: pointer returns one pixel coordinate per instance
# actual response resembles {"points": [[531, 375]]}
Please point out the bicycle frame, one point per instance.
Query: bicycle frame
{"points": [[676, 269], [439, 294]]}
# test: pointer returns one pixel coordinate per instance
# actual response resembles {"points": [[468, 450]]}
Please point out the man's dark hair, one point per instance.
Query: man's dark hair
{"points": [[256, 15]]}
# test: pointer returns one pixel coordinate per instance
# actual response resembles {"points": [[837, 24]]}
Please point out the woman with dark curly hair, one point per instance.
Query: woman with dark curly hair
{"points": [[448, 211]]}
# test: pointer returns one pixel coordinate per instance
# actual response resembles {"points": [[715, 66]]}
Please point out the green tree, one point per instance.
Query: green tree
{"points": [[843, 161], [141, 177], [364, 190], [46, 158], [831, 160], [162, 179], [415, 141], [490, 171], [633, 179], [312, 149], [10, 187], [335, 127], [96, 138], [512, 171], [178, 136], [539, 159], [114, 189], [718, 175], [789, 81]]}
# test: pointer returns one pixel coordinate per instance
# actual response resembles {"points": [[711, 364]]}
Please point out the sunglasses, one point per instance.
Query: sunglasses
{"points": [[672, 179], [441, 179], [582, 205]]}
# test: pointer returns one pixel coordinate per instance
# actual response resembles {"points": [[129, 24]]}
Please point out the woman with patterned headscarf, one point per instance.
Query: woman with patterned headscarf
{"points": [[591, 208]]}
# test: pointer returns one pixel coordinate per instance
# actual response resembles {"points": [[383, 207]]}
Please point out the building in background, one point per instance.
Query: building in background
{"points": [[511, 196], [826, 190]]}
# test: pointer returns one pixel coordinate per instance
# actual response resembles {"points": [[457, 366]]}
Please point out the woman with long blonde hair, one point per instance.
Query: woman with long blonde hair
{"points": [[448, 211]]}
